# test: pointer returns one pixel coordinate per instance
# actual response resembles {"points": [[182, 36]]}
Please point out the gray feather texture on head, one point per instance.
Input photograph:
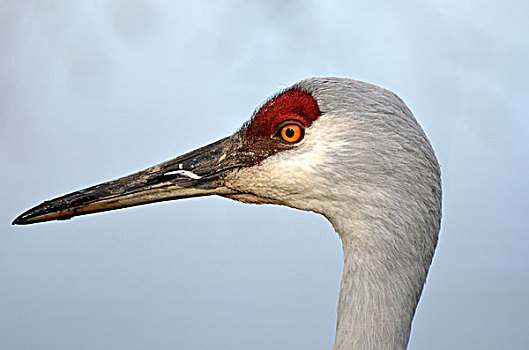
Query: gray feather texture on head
{"points": [[367, 166]]}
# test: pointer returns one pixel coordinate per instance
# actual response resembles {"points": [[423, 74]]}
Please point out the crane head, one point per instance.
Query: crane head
{"points": [[312, 146]]}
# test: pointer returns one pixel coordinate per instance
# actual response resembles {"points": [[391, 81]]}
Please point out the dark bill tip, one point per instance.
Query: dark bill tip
{"points": [[27, 218]]}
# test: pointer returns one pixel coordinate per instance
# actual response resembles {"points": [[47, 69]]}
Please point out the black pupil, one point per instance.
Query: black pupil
{"points": [[290, 133]]}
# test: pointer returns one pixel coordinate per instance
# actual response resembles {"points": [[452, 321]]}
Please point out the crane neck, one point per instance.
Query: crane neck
{"points": [[382, 280]]}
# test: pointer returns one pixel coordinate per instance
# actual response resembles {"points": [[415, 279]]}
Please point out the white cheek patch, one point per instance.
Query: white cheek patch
{"points": [[185, 173]]}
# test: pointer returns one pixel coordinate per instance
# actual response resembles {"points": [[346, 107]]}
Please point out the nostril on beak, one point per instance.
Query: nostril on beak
{"points": [[185, 173]]}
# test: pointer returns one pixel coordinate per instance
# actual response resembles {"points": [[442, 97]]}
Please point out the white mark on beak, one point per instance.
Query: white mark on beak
{"points": [[186, 173]]}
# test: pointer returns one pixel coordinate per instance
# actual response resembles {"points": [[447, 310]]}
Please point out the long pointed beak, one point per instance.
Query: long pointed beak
{"points": [[197, 173]]}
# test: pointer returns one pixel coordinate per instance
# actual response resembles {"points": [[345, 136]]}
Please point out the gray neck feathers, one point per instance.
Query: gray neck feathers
{"points": [[381, 285]]}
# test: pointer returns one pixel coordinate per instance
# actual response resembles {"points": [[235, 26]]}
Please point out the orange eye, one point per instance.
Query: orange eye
{"points": [[291, 133]]}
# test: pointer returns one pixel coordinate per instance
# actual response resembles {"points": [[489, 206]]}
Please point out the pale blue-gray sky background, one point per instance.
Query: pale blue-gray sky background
{"points": [[92, 91]]}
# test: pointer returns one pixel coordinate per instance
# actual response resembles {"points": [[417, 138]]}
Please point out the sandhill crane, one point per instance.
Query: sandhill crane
{"points": [[348, 150]]}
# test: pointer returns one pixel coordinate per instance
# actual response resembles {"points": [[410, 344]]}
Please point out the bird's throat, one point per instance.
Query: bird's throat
{"points": [[381, 285]]}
